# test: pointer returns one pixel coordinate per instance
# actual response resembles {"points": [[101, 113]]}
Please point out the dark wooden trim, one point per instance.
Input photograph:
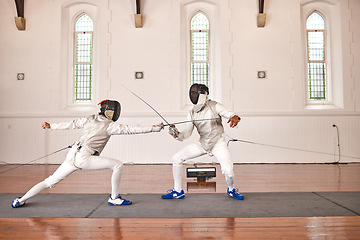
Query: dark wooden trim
{"points": [[138, 5], [20, 7], [261, 6]]}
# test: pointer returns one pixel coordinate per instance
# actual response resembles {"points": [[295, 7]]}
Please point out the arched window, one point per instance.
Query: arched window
{"points": [[83, 51], [199, 49], [316, 48]]}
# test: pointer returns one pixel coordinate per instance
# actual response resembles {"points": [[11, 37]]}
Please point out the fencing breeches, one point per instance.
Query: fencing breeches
{"points": [[194, 150], [75, 160]]}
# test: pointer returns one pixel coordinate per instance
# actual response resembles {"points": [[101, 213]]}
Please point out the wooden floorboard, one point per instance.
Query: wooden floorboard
{"points": [[158, 178], [195, 228]]}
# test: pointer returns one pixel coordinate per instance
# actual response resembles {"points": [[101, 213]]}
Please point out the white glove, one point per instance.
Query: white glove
{"points": [[173, 131]]}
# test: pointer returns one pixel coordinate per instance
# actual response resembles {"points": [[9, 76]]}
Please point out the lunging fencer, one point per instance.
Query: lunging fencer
{"points": [[211, 141], [84, 154]]}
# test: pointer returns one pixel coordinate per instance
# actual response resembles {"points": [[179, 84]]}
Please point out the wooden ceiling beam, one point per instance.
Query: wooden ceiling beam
{"points": [[138, 16], [261, 18], [20, 21]]}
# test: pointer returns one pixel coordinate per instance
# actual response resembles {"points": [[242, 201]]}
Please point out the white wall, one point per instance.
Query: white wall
{"points": [[273, 110]]}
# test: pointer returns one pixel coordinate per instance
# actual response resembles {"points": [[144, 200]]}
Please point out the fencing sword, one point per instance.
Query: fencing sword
{"points": [[172, 128], [168, 124], [171, 125], [288, 148], [196, 120], [36, 159]]}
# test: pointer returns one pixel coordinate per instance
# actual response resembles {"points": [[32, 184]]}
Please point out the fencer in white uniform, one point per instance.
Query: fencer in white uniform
{"points": [[211, 140], [84, 154]]}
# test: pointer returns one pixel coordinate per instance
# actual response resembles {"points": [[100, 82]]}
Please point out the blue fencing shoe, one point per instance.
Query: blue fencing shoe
{"points": [[16, 203], [118, 201], [173, 194], [235, 194]]}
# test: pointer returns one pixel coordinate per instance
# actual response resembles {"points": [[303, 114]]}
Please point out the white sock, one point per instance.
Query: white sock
{"points": [[230, 182], [33, 191], [177, 174], [115, 183]]}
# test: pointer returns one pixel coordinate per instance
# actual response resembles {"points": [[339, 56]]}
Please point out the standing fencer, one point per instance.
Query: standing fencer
{"points": [[212, 139], [84, 154]]}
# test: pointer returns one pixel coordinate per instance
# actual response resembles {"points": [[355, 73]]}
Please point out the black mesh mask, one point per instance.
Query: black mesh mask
{"points": [[195, 90], [111, 109]]}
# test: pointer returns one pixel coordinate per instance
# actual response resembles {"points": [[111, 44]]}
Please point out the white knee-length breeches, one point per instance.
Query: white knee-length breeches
{"points": [[80, 159], [194, 150], [220, 151], [83, 159]]}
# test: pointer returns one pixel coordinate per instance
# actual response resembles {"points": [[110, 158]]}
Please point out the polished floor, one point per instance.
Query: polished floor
{"points": [[158, 179]]}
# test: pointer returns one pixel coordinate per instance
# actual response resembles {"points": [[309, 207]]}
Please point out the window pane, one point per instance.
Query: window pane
{"points": [[200, 73], [315, 21], [200, 46], [199, 22], [83, 82], [200, 49], [317, 80], [316, 46], [83, 59], [315, 27], [84, 23], [84, 46]]}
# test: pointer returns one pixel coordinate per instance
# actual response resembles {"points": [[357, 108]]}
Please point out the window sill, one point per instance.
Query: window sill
{"points": [[321, 105]]}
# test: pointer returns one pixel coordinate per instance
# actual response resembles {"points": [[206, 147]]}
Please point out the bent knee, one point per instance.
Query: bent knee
{"points": [[228, 173], [118, 166], [177, 159]]}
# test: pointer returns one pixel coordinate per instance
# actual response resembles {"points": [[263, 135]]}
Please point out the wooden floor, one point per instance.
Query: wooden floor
{"points": [[158, 179]]}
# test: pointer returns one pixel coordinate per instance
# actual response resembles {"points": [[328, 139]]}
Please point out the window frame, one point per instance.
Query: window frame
{"points": [[330, 10], [76, 63], [211, 10], [208, 38], [326, 87]]}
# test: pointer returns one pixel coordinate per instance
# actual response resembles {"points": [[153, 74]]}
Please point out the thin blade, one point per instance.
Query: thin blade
{"points": [[147, 104]]}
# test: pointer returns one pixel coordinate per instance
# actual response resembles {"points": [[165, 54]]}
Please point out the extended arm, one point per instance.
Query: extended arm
{"points": [[122, 129], [74, 124]]}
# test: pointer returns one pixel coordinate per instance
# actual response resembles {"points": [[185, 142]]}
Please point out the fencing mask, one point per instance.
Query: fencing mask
{"points": [[196, 90], [110, 109]]}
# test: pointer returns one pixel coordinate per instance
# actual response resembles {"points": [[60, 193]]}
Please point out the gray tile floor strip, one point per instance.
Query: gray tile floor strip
{"points": [[335, 202], [194, 205]]}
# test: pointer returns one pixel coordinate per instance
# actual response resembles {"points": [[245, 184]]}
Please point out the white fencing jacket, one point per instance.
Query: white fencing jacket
{"points": [[98, 130], [210, 131]]}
